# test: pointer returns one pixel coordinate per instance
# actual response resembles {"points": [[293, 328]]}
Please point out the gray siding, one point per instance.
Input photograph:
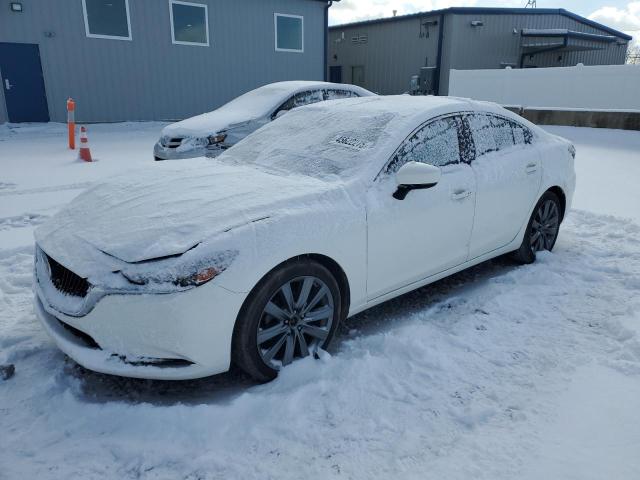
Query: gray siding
{"points": [[149, 78], [494, 42], [395, 52]]}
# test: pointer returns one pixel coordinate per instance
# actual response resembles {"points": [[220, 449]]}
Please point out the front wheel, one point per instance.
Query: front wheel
{"points": [[291, 313], [542, 229]]}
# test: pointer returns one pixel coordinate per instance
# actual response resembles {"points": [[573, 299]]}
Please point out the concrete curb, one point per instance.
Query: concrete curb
{"points": [[621, 120]]}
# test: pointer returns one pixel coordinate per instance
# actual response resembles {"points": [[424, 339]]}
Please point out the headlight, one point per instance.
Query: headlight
{"points": [[181, 272], [199, 278], [217, 138]]}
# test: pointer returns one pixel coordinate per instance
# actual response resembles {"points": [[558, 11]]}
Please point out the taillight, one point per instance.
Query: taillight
{"points": [[572, 151]]}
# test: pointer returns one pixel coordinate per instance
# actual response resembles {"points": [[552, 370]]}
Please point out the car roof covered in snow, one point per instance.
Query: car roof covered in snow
{"points": [[342, 138], [253, 104]]}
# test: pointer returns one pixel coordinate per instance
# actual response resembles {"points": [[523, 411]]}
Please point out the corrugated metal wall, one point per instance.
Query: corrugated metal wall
{"points": [[151, 78], [395, 52], [495, 43]]}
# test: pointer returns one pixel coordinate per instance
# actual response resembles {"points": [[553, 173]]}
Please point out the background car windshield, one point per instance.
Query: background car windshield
{"points": [[318, 141]]}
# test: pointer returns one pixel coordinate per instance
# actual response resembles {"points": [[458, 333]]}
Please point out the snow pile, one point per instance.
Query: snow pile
{"points": [[451, 381]]}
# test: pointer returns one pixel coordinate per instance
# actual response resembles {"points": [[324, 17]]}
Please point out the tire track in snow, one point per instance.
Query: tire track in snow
{"points": [[26, 220], [57, 188]]}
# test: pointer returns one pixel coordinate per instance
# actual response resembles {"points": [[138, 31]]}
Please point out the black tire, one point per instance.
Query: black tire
{"points": [[158, 159], [245, 350], [527, 252]]}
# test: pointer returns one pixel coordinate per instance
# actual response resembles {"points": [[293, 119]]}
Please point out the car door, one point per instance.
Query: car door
{"points": [[300, 99], [428, 231], [508, 175]]}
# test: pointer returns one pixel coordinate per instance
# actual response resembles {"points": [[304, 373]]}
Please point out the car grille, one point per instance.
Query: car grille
{"points": [[66, 281]]}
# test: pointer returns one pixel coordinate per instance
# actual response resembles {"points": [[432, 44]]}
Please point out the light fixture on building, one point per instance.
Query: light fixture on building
{"points": [[15, 6], [477, 23]]}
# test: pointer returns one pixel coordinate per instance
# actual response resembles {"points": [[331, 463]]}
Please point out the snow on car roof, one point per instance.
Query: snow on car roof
{"points": [[339, 138], [251, 105]]}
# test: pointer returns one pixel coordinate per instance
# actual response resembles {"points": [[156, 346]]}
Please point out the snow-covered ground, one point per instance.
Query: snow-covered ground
{"points": [[499, 372]]}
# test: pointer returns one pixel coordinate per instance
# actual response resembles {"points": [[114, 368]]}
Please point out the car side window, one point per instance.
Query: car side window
{"points": [[336, 94], [482, 133], [492, 133], [522, 135], [502, 132], [437, 143], [300, 99]]}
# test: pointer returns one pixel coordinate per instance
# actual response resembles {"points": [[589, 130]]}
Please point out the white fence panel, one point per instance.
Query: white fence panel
{"points": [[607, 87]]}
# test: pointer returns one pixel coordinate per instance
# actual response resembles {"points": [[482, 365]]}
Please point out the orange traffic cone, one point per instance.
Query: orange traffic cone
{"points": [[85, 153]]}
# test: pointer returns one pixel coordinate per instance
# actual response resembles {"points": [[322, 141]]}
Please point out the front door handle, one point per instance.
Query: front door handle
{"points": [[532, 168], [7, 84], [460, 194]]}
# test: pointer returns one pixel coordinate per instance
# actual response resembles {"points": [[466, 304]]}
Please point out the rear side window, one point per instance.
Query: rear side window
{"points": [[436, 143], [521, 134], [502, 132], [299, 100], [492, 133], [332, 94]]}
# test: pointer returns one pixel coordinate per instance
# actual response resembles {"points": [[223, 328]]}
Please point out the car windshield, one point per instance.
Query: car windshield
{"points": [[326, 142]]}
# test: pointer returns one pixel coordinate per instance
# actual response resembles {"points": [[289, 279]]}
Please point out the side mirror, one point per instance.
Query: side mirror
{"points": [[415, 176]]}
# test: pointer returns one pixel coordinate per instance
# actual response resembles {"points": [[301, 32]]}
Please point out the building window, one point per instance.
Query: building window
{"points": [[107, 19], [289, 33], [189, 23]]}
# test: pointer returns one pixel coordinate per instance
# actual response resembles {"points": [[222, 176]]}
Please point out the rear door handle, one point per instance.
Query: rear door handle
{"points": [[532, 168], [460, 194]]}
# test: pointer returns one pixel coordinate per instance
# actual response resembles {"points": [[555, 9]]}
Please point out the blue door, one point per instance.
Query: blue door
{"points": [[23, 83]]}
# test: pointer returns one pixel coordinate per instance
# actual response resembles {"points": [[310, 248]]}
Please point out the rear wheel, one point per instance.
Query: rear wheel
{"points": [[542, 230], [292, 313]]}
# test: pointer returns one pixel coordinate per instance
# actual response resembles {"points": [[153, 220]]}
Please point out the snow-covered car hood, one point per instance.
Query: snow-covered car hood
{"points": [[209, 123], [169, 210]]}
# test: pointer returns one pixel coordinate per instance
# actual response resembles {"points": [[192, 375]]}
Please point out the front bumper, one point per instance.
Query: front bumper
{"points": [[176, 336], [160, 152]]}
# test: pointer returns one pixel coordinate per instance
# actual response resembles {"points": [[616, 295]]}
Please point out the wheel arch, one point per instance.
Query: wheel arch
{"points": [[329, 263]]}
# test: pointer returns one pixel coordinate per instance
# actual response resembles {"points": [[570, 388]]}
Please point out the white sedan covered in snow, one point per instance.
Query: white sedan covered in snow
{"points": [[254, 257], [211, 133]]}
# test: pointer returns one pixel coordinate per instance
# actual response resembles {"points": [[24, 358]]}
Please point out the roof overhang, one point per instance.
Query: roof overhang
{"points": [[494, 11], [541, 40]]}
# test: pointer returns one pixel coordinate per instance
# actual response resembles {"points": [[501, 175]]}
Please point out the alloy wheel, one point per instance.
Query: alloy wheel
{"points": [[295, 322], [545, 225]]}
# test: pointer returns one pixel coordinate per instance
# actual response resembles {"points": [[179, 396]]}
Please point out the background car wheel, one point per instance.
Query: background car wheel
{"points": [[294, 311], [542, 230]]}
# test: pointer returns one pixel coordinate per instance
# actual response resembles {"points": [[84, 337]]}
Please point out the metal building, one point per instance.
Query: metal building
{"points": [[151, 59], [415, 52]]}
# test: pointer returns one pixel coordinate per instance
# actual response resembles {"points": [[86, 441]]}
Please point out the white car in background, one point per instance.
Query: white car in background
{"points": [[255, 257], [211, 133]]}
